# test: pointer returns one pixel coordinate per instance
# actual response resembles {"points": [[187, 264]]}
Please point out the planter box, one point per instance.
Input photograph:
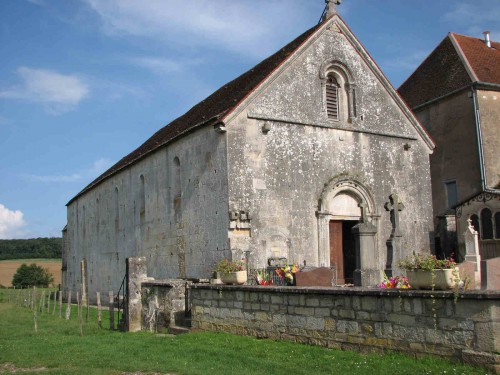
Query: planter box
{"points": [[424, 279], [239, 277]]}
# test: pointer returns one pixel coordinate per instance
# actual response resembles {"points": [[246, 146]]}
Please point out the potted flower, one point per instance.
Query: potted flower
{"points": [[288, 273], [425, 271], [394, 282], [231, 271], [262, 277]]}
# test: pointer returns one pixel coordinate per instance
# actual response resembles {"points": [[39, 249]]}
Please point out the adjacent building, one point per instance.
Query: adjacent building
{"points": [[455, 93]]}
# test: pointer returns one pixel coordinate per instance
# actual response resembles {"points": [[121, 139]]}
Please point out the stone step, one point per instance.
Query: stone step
{"points": [[178, 330]]}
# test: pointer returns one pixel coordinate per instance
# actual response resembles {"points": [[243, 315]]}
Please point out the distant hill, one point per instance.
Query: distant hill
{"points": [[35, 248]]}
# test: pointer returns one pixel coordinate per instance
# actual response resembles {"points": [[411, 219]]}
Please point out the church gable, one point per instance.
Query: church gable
{"points": [[330, 81]]}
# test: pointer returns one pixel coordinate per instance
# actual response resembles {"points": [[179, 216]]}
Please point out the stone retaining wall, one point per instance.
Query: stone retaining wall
{"points": [[417, 322]]}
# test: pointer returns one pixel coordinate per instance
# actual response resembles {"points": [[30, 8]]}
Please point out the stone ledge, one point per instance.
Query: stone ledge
{"points": [[356, 291]]}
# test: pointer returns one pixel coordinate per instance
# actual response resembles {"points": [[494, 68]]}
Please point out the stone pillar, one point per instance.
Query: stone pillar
{"points": [[323, 240], [367, 272], [137, 273], [472, 253]]}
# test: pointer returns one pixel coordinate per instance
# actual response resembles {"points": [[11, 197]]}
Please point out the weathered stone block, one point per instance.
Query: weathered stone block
{"points": [[347, 326], [309, 311], [312, 302], [401, 319], [347, 314], [314, 323], [362, 315]]}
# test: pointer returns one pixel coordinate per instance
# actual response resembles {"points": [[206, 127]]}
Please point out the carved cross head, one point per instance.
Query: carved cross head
{"points": [[331, 7]]}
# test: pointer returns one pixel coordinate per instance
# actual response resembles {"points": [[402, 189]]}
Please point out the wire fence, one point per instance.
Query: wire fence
{"points": [[62, 304]]}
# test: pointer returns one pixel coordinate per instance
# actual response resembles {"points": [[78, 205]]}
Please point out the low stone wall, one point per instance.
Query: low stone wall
{"points": [[163, 304], [417, 322]]}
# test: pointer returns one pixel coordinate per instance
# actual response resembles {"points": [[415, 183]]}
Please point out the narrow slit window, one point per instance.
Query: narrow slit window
{"points": [[332, 98]]}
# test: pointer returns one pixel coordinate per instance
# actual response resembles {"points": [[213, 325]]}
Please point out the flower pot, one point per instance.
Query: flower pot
{"points": [[238, 277], [425, 279]]}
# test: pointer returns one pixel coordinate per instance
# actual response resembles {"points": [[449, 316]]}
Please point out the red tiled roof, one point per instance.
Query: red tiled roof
{"points": [[440, 73], [446, 69], [484, 61], [209, 111]]}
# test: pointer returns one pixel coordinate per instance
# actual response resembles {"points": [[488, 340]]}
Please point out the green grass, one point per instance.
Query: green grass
{"points": [[58, 348]]}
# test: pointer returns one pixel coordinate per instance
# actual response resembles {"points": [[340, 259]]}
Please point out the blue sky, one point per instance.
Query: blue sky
{"points": [[84, 82]]}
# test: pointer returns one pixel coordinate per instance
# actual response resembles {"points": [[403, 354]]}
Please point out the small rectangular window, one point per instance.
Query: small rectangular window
{"points": [[451, 193], [332, 98]]}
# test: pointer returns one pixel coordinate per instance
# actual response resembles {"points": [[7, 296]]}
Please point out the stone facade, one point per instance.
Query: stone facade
{"points": [[416, 322], [261, 168]]}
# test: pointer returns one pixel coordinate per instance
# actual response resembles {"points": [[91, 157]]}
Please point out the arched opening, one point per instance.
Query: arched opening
{"points": [[346, 214], [486, 224], [343, 205]]}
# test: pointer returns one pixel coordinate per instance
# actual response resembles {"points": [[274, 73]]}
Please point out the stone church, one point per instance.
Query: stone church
{"points": [[311, 155]]}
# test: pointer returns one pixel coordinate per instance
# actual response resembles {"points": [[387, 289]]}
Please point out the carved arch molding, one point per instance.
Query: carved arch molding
{"points": [[344, 199]]}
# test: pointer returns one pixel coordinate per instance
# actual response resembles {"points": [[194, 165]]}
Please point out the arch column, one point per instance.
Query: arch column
{"points": [[366, 272], [323, 239]]}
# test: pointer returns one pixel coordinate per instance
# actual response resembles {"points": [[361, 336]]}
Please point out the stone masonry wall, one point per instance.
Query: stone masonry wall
{"points": [[417, 322]]}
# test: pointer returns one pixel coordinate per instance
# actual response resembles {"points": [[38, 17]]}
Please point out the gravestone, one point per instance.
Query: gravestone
{"points": [[321, 276]]}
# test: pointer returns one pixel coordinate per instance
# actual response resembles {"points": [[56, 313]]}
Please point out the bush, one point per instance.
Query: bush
{"points": [[32, 275]]}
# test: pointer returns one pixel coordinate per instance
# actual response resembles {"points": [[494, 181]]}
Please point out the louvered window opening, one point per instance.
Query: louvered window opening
{"points": [[332, 98]]}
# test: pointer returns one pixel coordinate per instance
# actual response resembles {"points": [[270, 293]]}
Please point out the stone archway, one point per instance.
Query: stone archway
{"points": [[346, 216]]}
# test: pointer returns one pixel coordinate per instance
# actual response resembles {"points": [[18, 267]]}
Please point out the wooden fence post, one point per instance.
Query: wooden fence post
{"points": [[42, 302], [55, 302], [60, 303], [111, 311], [68, 306], [34, 310], [80, 318], [99, 313], [78, 304]]}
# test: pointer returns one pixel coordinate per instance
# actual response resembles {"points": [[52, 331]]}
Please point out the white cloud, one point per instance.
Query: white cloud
{"points": [[246, 27], [11, 223], [406, 62], [57, 92], [476, 16], [98, 167], [57, 178], [159, 65]]}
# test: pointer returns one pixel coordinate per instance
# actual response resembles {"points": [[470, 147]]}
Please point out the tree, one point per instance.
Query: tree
{"points": [[32, 275]]}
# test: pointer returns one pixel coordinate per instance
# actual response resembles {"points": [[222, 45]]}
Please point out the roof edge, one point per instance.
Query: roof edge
{"points": [[389, 87], [463, 58]]}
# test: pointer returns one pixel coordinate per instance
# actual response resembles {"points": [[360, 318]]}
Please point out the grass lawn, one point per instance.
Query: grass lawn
{"points": [[58, 348]]}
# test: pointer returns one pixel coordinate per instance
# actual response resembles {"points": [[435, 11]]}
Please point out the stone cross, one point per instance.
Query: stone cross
{"points": [[331, 7], [394, 206]]}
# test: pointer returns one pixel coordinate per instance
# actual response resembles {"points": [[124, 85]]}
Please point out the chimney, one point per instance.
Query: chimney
{"points": [[487, 40]]}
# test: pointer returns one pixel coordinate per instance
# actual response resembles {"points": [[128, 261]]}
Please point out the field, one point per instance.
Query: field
{"points": [[8, 269]]}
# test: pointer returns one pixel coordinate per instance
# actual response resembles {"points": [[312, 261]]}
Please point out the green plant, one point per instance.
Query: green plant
{"points": [[426, 262], [226, 266], [32, 275]]}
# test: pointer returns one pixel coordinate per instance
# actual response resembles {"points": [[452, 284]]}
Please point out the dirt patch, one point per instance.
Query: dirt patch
{"points": [[9, 267], [11, 368]]}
